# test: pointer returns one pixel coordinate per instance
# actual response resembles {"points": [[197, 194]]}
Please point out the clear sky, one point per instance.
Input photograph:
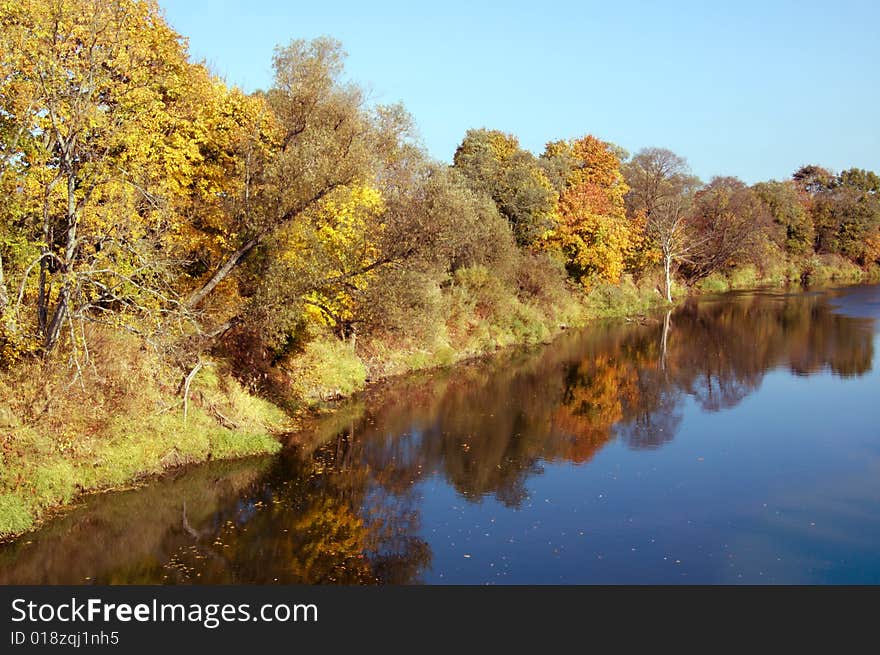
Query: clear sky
{"points": [[747, 88]]}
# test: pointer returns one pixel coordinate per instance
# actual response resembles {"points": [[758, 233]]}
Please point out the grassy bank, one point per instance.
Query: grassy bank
{"points": [[481, 319], [120, 421], [476, 316], [815, 270], [121, 418]]}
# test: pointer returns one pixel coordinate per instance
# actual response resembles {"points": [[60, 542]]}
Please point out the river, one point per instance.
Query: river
{"points": [[734, 440]]}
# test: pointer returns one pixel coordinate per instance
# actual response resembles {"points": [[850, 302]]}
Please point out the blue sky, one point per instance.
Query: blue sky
{"points": [[752, 89]]}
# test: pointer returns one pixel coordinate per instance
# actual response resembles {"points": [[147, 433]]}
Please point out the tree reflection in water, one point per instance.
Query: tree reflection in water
{"points": [[342, 505]]}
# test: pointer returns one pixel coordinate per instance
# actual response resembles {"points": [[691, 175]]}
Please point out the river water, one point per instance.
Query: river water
{"points": [[735, 440]]}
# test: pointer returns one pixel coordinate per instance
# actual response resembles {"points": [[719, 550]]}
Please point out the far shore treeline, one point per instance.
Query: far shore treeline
{"points": [[180, 260]]}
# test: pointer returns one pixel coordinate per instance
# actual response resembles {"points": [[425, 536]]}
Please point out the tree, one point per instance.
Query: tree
{"points": [[323, 140], [732, 224], [496, 165], [593, 235], [435, 225], [670, 227], [375, 257], [96, 129], [788, 209], [656, 175], [661, 189], [845, 211], [813, 179]]}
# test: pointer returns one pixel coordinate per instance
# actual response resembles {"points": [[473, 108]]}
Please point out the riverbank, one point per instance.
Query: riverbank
{"points": [[329, 370], [589, 434], [121, 418], [120, 421]]}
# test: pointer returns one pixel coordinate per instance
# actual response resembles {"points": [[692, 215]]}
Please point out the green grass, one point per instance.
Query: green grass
{"points": [[715, 283], [326, 369], [825, 269], [628, 298], [816, 270], [143, 432], [130, 449], [15, 515]]}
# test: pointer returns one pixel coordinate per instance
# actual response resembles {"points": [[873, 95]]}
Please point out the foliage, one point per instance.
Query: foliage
{"points": [[327, 369], [124, 421], [496, 165], [594, 235], [732, 223], [100, 130], [655, 176], [789, 212]]}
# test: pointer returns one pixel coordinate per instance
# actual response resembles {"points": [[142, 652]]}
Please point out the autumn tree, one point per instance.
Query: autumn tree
{"points": [[655, 175], [98, 132], [732, 223], [324, 139], [789, 211], [375, 256], [813, 179], [671, 230], [661, 189], [593, 235], [496, 165], [845, 211]]}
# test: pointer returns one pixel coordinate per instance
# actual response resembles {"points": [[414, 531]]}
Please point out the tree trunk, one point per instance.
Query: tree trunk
{"points": [[667, 266], [231, 262], [236, 258], [61, 308], [45, 248], [58, 316], [4, 295]]}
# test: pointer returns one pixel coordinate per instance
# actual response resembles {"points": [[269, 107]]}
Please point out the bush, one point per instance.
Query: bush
{"points": [[623, 299], [714, 283], [542, 281], [744, 277], [15, 517]]}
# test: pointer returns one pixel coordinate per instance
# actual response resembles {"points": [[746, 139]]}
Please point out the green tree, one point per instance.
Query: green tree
{"points": [[788, 209], [496, 165]]}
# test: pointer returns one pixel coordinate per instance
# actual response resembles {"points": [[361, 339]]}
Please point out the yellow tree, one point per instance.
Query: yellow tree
{"points": [[324, 141], [102, 111], [236, 136], [328, 258], [593, 234]]}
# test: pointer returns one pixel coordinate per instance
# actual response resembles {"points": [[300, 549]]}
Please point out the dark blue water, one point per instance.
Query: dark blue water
{"points": [[733, 441]]}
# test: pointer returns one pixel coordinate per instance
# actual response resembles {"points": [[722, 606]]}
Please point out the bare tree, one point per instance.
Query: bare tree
{"points": [[669, 226], [654, 176], [661, 191]]}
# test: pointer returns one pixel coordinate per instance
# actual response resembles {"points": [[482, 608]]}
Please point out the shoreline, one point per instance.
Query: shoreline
{"points": [[265, 436]]}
